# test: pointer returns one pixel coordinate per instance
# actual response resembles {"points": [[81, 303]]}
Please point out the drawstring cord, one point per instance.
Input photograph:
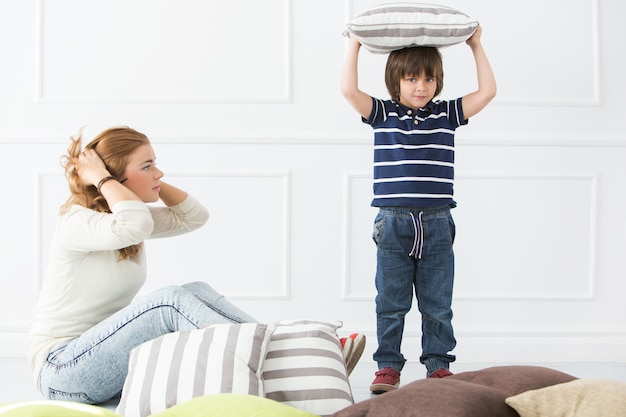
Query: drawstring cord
{"points": [[418, 241]]}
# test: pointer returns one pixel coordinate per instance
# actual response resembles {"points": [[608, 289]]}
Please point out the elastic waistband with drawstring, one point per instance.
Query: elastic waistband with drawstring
{"points": [[418, 241], [416, 215]]}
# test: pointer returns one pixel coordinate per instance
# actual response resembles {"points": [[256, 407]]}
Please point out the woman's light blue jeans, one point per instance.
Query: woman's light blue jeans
{"points": [[92, 368], [414, 253]]}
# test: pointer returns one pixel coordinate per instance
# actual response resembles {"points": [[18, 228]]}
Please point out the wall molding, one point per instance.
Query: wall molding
{"points": [[347, 294]]}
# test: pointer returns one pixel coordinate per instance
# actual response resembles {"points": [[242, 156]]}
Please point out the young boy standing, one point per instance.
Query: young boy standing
{"points": [[413, 188]]}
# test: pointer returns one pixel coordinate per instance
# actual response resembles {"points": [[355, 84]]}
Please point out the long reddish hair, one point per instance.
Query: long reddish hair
{"points": [[113, 145]]}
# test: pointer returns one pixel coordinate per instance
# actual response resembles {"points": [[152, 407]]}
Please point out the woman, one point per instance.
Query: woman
{"points": [[86, 320]]}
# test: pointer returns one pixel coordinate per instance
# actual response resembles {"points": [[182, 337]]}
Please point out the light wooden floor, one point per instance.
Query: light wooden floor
{"points": [[363, 374], [16, 383]]}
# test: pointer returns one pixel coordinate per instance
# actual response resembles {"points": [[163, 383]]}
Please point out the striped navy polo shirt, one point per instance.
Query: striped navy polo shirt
{"points": [[414, 153]]}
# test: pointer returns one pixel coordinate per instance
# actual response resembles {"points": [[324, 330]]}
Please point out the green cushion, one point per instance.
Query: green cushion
{"points": [[53, 409], [232, 405]]}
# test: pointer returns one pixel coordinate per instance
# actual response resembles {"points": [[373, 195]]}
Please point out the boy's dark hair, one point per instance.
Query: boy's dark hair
{"points": [[413, 61]]}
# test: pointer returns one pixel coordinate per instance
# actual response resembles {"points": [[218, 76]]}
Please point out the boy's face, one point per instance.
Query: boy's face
{"points": [[416, 91]]}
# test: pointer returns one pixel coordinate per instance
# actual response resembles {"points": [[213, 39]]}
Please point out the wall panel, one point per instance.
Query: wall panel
{"points": [[244, 248], [531, 247], [537, 49], [542, 252], [171, 49]]}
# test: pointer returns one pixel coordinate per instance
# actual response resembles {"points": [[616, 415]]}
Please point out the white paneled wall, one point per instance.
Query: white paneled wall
{"points": [[241, 100]]}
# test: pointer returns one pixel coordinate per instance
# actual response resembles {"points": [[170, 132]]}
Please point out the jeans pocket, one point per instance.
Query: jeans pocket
{"points": [[78, 397], [452, 227], [379, 224]]}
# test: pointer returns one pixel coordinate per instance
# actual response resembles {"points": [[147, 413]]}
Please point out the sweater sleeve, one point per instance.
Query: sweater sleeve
{"points": [[182, 218], [87, 230]]}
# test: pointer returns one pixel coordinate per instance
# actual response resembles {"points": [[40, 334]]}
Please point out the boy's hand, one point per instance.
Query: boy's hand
{"points": [[353, 38], [474, 40]]}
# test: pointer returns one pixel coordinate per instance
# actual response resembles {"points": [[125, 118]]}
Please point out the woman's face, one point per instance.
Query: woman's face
{"points": [[142, 175]]}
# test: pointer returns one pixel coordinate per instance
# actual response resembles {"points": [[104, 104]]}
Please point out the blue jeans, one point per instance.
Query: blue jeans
{"points": [[92, 368], [414, 252]]}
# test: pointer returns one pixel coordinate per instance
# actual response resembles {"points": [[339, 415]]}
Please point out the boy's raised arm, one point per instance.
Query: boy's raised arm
{"points": [[360, 101], [476, 101]]}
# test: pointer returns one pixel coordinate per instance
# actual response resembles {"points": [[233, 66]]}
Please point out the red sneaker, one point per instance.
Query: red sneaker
{"points": [[387, 379], [440, 373]]}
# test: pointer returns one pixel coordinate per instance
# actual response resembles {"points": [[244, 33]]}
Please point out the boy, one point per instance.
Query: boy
{"points": [[413, 188]]}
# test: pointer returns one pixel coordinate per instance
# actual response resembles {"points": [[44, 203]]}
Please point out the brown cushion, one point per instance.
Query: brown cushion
{"points": [[513, 380], [434, 398]]}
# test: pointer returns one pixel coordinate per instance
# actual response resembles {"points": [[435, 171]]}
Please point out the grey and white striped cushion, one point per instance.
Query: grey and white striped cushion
{"points": [[392, 26], [304, 367], [173, 368]]}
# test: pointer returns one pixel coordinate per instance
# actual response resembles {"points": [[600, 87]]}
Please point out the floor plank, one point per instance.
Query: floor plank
{"points": [[16, 383]]}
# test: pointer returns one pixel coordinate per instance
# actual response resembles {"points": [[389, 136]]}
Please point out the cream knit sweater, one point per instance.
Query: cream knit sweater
{"points": [[85, 283]]}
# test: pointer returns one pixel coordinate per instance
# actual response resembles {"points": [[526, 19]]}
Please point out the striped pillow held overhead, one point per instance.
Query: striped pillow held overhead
{"points": [[173, 368], [392, 26]]}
